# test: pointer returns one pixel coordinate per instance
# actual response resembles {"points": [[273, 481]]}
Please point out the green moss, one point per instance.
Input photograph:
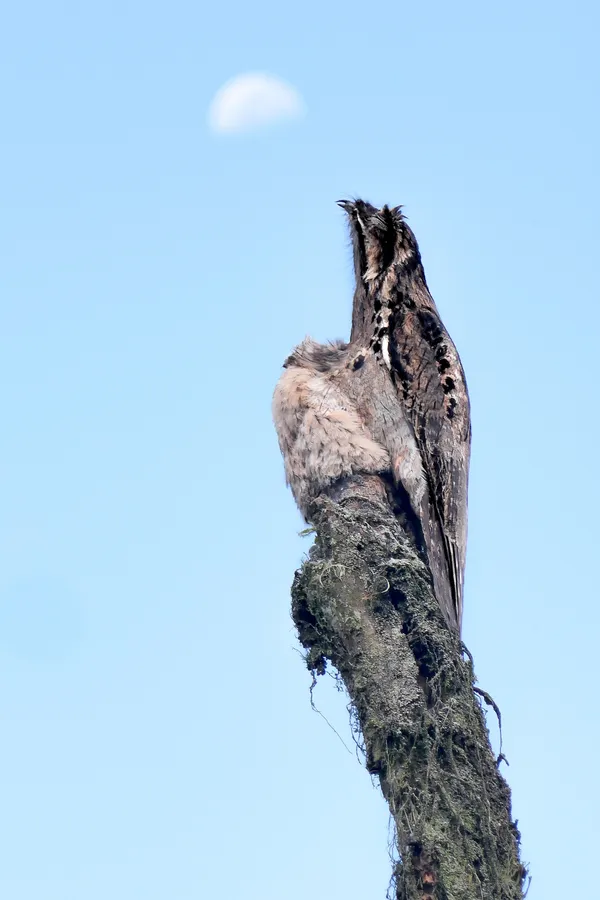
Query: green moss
{"points": [[363, 602]]}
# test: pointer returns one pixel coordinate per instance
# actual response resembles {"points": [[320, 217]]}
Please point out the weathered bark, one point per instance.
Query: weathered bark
{"points": [[363, 601]]}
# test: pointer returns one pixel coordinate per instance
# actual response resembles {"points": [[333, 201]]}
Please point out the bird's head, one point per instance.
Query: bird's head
{"points": [[317, 357], [380, 238]]}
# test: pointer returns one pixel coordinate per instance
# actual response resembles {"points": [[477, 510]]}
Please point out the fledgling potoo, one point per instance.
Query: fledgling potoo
{"points": [[408, 396], [321, 435]]}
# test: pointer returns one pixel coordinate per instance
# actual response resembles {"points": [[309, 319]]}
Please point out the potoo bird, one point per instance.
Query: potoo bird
{"points": [[400, 389], [321, 435]]}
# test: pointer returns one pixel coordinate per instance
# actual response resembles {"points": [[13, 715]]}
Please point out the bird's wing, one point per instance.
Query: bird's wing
{"points": [[431, 378], [446, 465]]}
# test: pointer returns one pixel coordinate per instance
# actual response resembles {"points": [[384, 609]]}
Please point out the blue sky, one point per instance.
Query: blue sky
{"points": [[158, 736]]}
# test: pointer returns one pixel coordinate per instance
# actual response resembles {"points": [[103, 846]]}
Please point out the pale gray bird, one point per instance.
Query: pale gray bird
{"points": [[321, 435], [392, 402]]}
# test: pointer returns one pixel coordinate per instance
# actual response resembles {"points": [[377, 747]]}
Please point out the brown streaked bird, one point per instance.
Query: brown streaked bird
{"points": [[392, 402], [397, 317]]}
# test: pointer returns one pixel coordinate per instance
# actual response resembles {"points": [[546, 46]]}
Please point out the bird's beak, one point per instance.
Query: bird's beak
{"points": [[346, 205]]}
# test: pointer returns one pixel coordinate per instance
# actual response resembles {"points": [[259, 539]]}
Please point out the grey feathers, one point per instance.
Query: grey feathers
{"points": [[321, 435], [393, 401], [319, 357]]}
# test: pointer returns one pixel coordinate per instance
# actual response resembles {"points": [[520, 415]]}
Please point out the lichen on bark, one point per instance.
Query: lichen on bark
{"points": [[363, 602]]}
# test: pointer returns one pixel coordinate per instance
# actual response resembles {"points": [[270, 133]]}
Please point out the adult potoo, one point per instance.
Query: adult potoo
{"points": [[396, 318]]}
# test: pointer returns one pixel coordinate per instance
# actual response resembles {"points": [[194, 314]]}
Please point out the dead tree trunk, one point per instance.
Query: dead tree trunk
{"points": [[363, 601]]}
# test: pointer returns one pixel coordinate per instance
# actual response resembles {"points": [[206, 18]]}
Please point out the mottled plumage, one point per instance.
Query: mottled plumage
{"points": [[393, 401], [406, 333]]}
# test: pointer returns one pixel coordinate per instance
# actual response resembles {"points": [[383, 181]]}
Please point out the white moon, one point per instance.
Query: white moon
{"points": [[251, 101]]}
